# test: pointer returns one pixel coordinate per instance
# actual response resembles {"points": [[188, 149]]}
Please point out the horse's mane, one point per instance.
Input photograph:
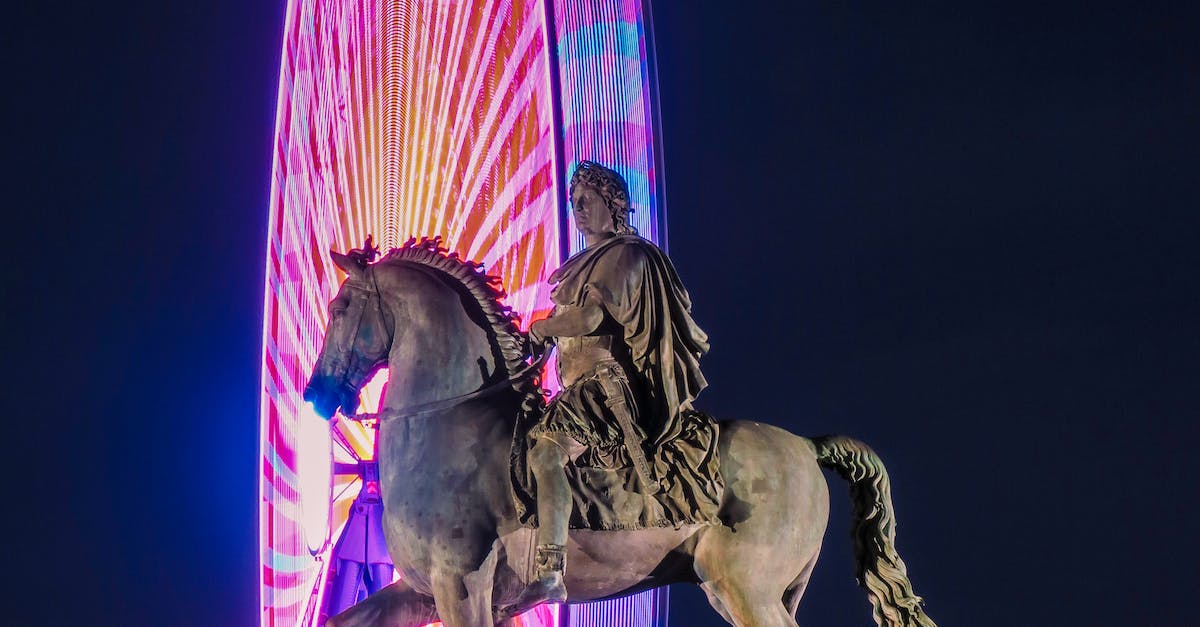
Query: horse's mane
{"points": [[483, 287]]}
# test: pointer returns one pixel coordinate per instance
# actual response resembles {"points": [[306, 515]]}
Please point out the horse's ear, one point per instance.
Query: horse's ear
{"points": [[348, 264]]}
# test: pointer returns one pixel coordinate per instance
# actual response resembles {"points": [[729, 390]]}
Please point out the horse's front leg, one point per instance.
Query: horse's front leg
{"points": [[462, 586], [395, 605]]}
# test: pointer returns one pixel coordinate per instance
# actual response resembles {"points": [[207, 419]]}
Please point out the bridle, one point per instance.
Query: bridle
{"points": [[364, 293]]}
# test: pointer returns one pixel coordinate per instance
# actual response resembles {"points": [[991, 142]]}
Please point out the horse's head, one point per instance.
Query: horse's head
{"points": [[434, 319], [357, 339]]}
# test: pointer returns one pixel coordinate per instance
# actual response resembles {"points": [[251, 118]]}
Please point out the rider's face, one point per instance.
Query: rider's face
{"points": [[592, 216]]}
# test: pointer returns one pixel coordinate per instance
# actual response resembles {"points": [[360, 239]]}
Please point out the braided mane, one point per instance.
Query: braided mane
{"points": [[484, 287]]}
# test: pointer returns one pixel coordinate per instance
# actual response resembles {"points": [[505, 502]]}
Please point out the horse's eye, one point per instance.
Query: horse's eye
{"points": [[338, 313]]}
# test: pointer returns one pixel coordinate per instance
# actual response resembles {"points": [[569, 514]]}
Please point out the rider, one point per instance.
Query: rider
{"points": [[628, 354]]}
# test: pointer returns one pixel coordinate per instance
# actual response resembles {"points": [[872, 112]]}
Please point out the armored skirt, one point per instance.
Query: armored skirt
{"points": [[587, 412]]}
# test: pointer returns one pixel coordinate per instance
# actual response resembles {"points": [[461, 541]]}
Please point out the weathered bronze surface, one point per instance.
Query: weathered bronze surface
{"points": [[653, 492], [621, 436]]}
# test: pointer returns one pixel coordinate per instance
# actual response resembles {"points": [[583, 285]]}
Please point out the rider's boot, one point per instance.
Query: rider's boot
{"points": [[551, 561]]}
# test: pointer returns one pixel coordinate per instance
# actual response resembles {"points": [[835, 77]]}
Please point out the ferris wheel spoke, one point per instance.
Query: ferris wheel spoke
{"points": [[339, 438], [341, 493]]}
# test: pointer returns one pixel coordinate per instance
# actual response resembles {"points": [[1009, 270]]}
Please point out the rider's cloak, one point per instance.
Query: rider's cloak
{"points": [[642, 293]]}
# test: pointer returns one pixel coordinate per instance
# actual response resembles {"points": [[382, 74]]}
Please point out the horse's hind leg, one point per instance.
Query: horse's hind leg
{"points": [[791, 598], [747, 572], [742, 606], [395, 605], [744, 592]]}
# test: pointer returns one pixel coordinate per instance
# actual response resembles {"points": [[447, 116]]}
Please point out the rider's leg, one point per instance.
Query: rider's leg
{"points": [[548, 459]]}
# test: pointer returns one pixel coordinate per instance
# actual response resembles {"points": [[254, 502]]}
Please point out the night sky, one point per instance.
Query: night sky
{"points": [[965, 235]]}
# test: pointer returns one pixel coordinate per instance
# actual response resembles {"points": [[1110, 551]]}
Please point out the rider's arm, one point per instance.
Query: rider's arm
{"points": [[572, 321]]}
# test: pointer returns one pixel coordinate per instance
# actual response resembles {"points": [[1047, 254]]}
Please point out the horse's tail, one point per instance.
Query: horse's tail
{"points": [[878, 566]]}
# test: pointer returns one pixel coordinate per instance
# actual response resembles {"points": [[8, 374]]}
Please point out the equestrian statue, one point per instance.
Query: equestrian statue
{"points": [[496, 500]]}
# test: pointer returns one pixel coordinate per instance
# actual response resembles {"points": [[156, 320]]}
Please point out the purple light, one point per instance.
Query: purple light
{"points": [[607, 100]]}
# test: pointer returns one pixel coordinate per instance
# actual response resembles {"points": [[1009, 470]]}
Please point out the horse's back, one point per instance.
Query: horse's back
{"points": [[743, 441]]}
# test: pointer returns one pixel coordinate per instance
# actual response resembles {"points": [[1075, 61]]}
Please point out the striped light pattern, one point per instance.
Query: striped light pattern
{"points": [[609, 107], [639, 610], [609, 112], [425, 118], [406, 118]]}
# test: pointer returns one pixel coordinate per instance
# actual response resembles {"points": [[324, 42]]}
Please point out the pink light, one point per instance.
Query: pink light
{"points": [[395, 118], [402, 118], [315, 471]]}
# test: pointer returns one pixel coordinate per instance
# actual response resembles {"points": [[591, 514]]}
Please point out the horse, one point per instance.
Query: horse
{"points": [[459, 379]]}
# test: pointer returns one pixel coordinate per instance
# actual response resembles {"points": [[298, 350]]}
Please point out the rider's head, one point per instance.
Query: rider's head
{"points": [[612, 188]]}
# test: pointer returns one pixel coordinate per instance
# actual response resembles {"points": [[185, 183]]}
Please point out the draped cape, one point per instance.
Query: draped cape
{"points": [[642, 293]]}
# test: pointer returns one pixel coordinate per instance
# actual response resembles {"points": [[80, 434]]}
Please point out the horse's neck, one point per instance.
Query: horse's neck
{"points": [[438, 351]]}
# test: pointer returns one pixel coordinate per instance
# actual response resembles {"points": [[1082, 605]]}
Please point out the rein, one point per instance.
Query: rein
{"points": [[435, 406]]}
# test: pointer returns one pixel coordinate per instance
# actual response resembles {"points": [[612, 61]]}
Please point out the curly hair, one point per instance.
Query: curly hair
{"points": [[612, 188]]}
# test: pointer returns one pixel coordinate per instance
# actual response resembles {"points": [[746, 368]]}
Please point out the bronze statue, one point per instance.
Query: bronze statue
{"points": [[628, 353], [463, 407]]}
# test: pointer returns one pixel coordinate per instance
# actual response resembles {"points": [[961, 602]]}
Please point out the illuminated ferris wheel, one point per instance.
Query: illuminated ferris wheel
{"points": [[402, 118]]}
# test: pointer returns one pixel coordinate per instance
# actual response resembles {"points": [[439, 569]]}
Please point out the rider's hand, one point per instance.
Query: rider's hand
{"points": [[537, 338]]}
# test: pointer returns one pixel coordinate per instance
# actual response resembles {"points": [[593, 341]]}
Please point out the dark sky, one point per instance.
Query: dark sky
{"points": [[967, 235]]}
